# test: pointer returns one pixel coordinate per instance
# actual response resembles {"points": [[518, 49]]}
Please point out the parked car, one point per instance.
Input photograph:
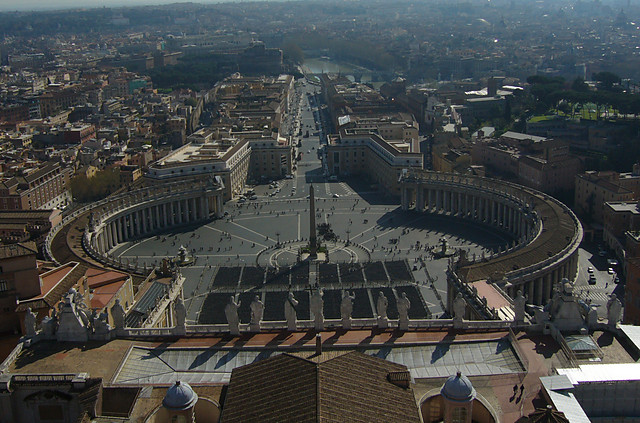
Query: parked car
{"points": [[590, 269], [610, 271]]}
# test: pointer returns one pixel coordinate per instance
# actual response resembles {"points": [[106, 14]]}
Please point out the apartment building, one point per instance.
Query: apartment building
{"points": [[45, 187], [358, 152], [593, 189]]}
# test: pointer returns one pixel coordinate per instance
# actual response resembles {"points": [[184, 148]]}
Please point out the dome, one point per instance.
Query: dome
{"points": [[180, 397], [458, 388]]}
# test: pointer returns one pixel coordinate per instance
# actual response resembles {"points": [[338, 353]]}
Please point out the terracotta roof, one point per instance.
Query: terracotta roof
{"points": [[351, 387], [104, 293], [100, 277], [66, 277]]}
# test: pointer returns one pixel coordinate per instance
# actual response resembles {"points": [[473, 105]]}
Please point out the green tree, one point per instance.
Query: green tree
{"points": [[97, 187], [606, 80], [293, 52]]}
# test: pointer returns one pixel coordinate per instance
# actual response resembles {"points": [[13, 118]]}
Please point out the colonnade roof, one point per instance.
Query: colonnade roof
{"points": [[558, 231]]}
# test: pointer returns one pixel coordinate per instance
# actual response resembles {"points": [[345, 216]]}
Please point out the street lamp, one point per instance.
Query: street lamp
{"points": [[348, 231], [278, 236]]}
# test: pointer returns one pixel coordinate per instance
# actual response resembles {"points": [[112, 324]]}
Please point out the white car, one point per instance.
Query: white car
{"points": [[610, 271], [336, 196]]}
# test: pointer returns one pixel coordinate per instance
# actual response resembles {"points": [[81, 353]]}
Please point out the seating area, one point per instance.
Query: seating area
{"points": [[350, 274], [374, 272], [227, 277], [300, 275], [365, 280], [398, 271], [328, 274], [252, 277]]}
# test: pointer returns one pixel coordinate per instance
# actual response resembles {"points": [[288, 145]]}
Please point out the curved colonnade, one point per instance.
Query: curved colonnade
{"points": [[141, 213], [547, 233]]}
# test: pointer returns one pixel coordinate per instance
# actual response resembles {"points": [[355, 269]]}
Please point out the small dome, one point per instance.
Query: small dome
{"points": [[458, 388], [180, 397]]}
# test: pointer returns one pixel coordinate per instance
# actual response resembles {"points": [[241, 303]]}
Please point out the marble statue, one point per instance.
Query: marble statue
{"points": [[518, 305], [459, 306], [181, 312], [81, 307], [290, 305], [117, 313], [30, 323], [73, 325], [100, 323], [316, 305], [381, 309], [346, 308], [231, 313], [614, 308], [403, 311], [381, 305], [49, 326], [257, 311]]}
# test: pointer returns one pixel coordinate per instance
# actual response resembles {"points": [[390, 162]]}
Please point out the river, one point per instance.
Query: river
{"points": [[327, 65]]}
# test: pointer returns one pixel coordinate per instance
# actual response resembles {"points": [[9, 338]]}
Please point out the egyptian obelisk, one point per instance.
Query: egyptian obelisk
{"points": [[313, 244]]}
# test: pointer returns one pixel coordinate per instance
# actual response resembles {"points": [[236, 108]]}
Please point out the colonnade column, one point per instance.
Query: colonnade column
{"points": [[206, 207], [145, 221], [219, 205], [404, 201]]}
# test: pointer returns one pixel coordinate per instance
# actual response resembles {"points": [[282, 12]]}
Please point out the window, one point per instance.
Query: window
{"points": [[459, 415], [4, 286]]}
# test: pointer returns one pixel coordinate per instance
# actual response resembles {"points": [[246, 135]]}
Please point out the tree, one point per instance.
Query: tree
{"points": [[98, 187], [293, 52], [606, 80], [579, 85]]}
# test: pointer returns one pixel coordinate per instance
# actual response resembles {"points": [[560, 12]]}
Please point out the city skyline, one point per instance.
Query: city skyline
{"points": [[39, 5]]}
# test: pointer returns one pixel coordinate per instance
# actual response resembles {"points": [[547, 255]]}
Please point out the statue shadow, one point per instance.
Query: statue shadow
{"points": [[45, 349], [309, 335], [335, 337], [443, 347], [605, 339], [546, 346], [277, 340]]}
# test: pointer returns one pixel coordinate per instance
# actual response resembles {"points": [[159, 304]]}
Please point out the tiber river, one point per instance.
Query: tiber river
{"points": [[326, 65]]}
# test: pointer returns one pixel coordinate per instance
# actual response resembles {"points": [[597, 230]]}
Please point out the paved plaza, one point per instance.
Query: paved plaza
{"points": [[268, 232]]}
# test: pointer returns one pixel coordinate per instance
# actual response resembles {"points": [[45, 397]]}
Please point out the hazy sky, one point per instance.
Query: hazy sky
{"points": [[7, 5]]}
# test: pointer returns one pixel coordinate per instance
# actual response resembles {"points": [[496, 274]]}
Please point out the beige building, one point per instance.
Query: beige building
{"points": [[42, 188], [228, 158], [270, 158], [594, 189], [364, 153], [546, 165], [619, 217], [395, 128]]}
